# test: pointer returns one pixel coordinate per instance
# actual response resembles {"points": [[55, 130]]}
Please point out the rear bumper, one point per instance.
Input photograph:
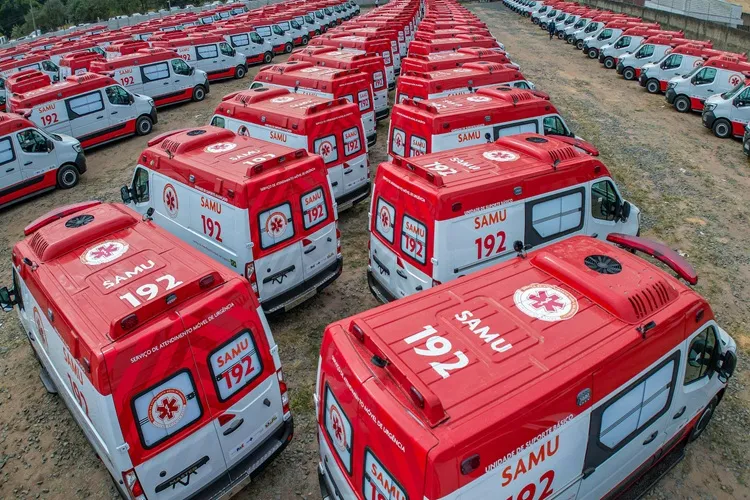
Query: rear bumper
{"points": [[352, 198], [288, 300], [382, 114], [80, 162], [378, 290]]}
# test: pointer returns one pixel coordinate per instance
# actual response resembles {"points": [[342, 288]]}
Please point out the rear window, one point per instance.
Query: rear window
{"points": [[276, 225], [414, 239], [327, 148], [378, 80], [385, 218], [363, 98], [417, 146], [166, 408], [352, 141], [378, 482], [339, 429], [234, 365], [314, 210], [398, 142]]}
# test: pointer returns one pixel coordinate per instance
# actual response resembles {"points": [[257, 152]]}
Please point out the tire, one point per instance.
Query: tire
{"points": [[288, 48], [240, 71], [579, 44], [561, 35], [305, 39], [703, 420], [67, 176], [199, 93], [609, 62], [268, 57], [593, 53], [653, 86], [722, 128], [682, 104], [144, 125], [628, 73]]}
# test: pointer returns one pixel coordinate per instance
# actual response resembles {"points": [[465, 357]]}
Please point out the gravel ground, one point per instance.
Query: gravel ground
{"points": [[691, 186]]}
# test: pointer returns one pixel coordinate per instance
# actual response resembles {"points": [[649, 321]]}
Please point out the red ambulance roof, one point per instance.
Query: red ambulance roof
{"points": [[692, 49], [728, 62], [70, 47], [142, 56], [445, 60], [232, 167], [293, 113], [474, 74], [126, 46], [10, 122], [189, 41], [303, 71], [83, 55], [26, 80], [31, 59], [72, 85], [455, 43]]}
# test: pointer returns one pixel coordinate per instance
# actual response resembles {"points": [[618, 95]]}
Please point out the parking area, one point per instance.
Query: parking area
{"points": [[691, 186]]}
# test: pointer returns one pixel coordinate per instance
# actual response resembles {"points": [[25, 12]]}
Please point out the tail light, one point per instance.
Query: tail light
{"points": [[133, 485], [436, 283], [369, 253], [252, 278], [284, 395], [368, 168], [338, 240]]}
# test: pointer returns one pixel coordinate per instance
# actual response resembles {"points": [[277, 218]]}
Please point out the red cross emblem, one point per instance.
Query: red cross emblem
{"points": [[338, 429], [276, 224], [385, 218], [734, 80], [325, 149], [167, 409], [550, 303], [104, 251], [170, 201]]}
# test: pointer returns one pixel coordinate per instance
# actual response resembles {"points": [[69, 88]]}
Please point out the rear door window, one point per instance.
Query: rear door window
{"points": [[314, 210], [234, 365], [385, 219], [166, 408], [417, 146], [363, 99], [414, 239], [398, 142], [327, 147], [339, 429], [378, 483], [276, 225], [352, 141]]}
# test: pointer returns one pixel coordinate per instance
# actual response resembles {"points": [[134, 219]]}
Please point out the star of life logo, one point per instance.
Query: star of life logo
{"points": [[167, 408], [220, 147], [546, 302], [104, 253], [500, 155]]}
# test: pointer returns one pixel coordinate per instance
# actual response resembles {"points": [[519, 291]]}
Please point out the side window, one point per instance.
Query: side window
{"points": [[166, 408], [352, 141], [398, 142], [140, 185], [339, 429], [234, 365], [314, 210], [154, 72], [7, 154], [554, 216], [85, 104], [553, 125], [604, 200], [414, 239], [327, 148], [226, 49], [256, 38], [240, 40], [207, 51], [180, 67], [385, 218], [645, 51], [673, 61], [264, 31], [705, 76], [623, 417], [363, 98], [118, 95], [701, 355], [743, 99], [218, 121], [50, 66], [31, 141], [276, 225], [522, 85]]}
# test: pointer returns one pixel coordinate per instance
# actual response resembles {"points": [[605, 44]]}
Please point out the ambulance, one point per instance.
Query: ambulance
{"points": [[595, 27], [567, 32], [423, 127], [446, 60], [40, 62], [119, 49], [367, 44], [652, 49], [570, 20], [57, 52], [263, 210], [567, 372], [371, 64], [77, 63], [552, 18], [157, 73], [331, 83], [393, 29], [162, 356], [593, 44], [455, 43], [93, 108], [630, 40], [459, 211], [718, 74], [682, 60], [209, 53], [280, 40], [464, 80], [329, 128], [244, 38], [298, 32], [728, 114], [33, 161], [24, 81]]}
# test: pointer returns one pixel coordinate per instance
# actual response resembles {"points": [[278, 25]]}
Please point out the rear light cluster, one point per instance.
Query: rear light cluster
{"points": [[338, 240], [132, 485], [252, 278], [284, 395]]}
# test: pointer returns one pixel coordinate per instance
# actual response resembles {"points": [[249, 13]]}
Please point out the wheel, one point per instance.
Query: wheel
{"points": [[703, 420], [653, 86], [240, 72], [67, 177], [288, 47], [593, 53], [560, 35], [722, 128], [144, 125], [569, 39], [609, 62], [305, 39], [579, 44], [199, 93], [267, 57], [682, 104], [628, 73]]}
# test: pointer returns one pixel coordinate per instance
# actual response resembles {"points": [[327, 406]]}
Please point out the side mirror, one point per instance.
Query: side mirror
{"points": [[625, 211], [6, 302], [50, 145], [125, 195], [191, 71], [131, 99], [726, 370]]}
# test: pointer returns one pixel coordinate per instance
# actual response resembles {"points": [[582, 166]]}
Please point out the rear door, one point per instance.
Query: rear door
{"points": [[278, 263], [382, 256], [319, 244], [332, 152], [414, 247], [354, 168]]}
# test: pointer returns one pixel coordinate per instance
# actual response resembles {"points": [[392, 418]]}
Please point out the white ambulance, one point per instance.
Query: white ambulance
{"points": [[682, 60], [718, 74], [156, 73], [728, 114], [628, 42], [280, 40], [436, 217], [246, 40], [209, 53], [263, 210], [652, 49], [163, 357]]}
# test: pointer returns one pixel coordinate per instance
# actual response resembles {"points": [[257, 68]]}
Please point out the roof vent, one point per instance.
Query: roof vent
{"points": [[38, 244], [602, 264], [537, 140], [562, 154], [79, 220], [170, 145], [193, 133]]}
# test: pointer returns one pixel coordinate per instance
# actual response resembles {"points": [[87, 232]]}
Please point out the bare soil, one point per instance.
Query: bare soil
{"points": [[692, 187]]}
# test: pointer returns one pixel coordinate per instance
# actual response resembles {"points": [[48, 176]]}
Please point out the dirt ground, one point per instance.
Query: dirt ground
{"points": [[692, 187]]}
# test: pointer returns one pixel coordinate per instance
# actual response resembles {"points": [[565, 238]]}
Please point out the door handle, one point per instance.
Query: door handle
{"points": [[27, 163], [310, 250], [165, 83], [235, 425], [348, 171], [114, 112], [679, 413], [99, 117], [651, 438], [401, 273], [334, 184], [710, 90], [10, 170]]}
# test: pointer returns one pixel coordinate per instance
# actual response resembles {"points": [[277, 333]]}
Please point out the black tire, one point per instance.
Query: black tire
{"points": [[593, 53], [569, 39], [561, 35], [703, 420], [653, 86], [288, 48], [67, 176], [199, 93], [682, 104], [722, 128], [628, 73], [268, 57], [305, 39], [609, 62], [579, 44], [240, 71], [144, 125]]}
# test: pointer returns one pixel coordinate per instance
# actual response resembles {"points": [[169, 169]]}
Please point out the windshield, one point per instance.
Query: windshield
{"points": [[309, 19], [731, 93], [580, 24], [605, 34], [591, 27]]}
